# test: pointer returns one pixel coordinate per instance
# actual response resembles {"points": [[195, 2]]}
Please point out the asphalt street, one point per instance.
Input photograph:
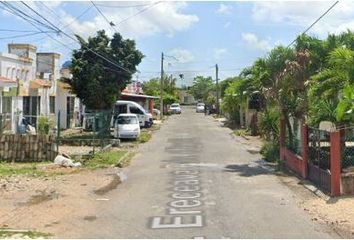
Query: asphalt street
{"points": [[193, 180]]}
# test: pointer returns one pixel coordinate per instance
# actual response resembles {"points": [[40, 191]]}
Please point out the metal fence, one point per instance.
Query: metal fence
{"points": [[319, 164], [89, 129], [347, 148], [96, 131]]}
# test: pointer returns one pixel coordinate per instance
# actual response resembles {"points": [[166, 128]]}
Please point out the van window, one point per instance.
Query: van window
{"points": [[127, 120], [135, 110], [121, 109]]}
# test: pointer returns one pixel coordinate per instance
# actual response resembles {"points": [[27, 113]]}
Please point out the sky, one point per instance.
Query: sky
{"points": [[194, 36]]}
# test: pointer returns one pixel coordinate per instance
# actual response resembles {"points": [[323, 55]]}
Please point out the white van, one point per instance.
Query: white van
{"points": [[121, 106]]}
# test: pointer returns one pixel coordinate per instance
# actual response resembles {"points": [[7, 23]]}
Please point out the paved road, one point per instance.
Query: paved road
{"points": [[193, 180]]}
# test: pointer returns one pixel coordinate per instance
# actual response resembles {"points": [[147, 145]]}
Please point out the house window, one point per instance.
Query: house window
{"points": [[51, 104], [6, 104]]}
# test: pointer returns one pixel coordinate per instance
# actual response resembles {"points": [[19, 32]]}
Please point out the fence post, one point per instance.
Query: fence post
{"points": [[58, 131], [335, 163], [305, 150], [282, 137]]}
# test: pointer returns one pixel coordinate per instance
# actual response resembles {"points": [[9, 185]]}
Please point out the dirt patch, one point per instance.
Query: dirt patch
{"points": [[50, 203], [90, 218], [109, 187], [335, 212], [43, 196]]}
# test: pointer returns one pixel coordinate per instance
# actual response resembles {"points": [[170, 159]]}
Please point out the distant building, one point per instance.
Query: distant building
{"points": [[186, 98], [134, 92]]}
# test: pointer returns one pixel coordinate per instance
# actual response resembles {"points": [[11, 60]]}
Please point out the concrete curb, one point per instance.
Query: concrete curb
{"points": [[312, 188]]}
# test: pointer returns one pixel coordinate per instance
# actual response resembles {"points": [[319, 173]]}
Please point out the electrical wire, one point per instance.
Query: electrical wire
{"points": [[89, 49], [22, 35], [15, 30], [77, 18], [130, 6], [139, 12], [316, 21], [110, 23]]}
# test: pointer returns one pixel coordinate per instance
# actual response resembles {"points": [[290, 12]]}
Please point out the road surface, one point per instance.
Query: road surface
{"points": [[193, 180]]}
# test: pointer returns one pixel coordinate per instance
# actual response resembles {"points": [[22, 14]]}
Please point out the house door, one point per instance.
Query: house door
{"points": [[31, 109], [70, 102]]}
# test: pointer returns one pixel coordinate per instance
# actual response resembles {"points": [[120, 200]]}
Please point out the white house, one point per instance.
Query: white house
{"points": [[29, 87]]}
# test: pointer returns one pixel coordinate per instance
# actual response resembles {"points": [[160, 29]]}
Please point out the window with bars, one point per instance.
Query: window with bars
{"points": [[51, 104]]}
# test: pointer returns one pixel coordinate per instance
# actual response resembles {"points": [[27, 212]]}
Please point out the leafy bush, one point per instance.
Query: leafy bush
{"points": [[270, 151], [270, 123], [44, 124]]}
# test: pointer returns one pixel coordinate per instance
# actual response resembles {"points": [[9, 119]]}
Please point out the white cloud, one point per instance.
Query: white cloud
{"points": [[224, 9], [227, 25], [182, 55], [253, 42], [219, 53], [165, 17], [304, 13]]}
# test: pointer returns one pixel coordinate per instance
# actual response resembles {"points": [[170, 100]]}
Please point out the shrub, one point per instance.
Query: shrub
{"points": [[44, 124], [270, 151], [270, 123]]}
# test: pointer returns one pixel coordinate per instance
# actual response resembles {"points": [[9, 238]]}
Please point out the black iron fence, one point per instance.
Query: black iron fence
{"points": [[319, 158]]}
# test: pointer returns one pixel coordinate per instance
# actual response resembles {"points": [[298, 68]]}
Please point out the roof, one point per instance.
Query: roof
{"points": [[40, 83], [7, 82], [139, 95]]}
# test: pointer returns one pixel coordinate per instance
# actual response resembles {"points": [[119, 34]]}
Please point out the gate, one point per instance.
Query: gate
{"points": [[319, 159]]}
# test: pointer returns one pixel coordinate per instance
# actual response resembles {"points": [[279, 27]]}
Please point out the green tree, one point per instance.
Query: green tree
{"points": [[170, 91], [96, 81], [201, 87]]}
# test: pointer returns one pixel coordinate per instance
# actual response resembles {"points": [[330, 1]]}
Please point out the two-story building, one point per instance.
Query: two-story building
{"points": [[30, 87]]}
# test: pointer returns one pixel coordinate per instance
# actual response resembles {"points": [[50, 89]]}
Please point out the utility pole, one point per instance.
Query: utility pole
{"points": [[217, 88], [161, 87]]}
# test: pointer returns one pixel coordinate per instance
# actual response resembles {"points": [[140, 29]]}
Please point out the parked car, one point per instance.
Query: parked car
{"points": [[200, 108], [175, 108], [145, 118], [127, 126]]}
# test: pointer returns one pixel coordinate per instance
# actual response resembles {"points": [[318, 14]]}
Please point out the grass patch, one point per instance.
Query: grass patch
{"points": [[8, 233], [106, 159], [145, 136], [8, 169], [242, 132]]}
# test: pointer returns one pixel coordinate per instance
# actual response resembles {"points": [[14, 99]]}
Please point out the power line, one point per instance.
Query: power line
{"points": [[51, 10], [15, 30], [15, 11], [89, 49], [317, 20], [127, 6], [139, 12], [45, 19], [111, 24], [77, 18], [22, 35]]}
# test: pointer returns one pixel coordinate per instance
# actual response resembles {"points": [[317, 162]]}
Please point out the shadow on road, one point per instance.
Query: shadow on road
{"points": [[246, 170]]}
